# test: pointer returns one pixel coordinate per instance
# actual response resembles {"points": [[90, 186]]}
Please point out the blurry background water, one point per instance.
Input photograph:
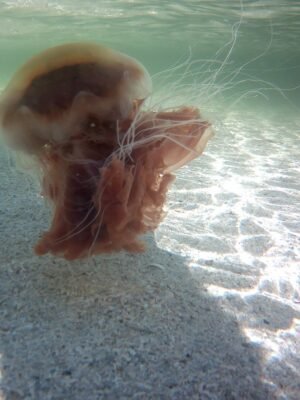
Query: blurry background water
{"points": [[238, 61], [160, 33]]}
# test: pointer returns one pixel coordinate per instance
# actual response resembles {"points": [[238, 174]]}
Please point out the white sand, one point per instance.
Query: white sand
{"points": [[210, 311]]}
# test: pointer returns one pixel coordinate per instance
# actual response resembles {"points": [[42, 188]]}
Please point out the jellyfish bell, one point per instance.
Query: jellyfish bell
{"points": [[106, 163], [58, 91]]}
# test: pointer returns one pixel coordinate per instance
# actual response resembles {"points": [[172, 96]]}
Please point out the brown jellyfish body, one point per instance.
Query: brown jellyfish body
{"points": [[106, 164]]}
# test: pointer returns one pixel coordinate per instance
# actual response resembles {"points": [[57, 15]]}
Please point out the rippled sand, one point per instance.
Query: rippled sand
{"points": [[235, 216], [210, 311]]}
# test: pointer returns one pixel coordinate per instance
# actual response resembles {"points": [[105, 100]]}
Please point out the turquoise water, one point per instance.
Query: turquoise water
{"points": [[245, 54], [239, 63]]}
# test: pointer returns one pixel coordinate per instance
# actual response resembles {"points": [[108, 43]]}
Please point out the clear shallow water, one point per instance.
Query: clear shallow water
{"points": [[234, 213], [257, 39]]}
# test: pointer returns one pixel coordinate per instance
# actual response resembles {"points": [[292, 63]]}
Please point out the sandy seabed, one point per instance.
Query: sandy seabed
{"points": [[210, 311]]}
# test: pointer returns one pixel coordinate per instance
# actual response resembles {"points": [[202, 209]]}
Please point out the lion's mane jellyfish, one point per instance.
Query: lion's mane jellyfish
{"points": [[105, 163]]}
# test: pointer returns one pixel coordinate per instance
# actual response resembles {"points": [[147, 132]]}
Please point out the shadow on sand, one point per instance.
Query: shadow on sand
{"points": [[120, 326], [113, 327]]}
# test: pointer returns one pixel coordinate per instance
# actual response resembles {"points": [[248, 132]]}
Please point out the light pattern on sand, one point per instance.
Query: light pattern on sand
{"points": [[237, 223]]}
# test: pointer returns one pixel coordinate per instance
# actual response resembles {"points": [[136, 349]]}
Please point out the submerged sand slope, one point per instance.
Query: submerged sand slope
{"points": [[210, 311]]}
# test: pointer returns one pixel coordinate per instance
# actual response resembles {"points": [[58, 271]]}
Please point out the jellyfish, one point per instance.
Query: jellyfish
{"points": [[105, 163]]}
